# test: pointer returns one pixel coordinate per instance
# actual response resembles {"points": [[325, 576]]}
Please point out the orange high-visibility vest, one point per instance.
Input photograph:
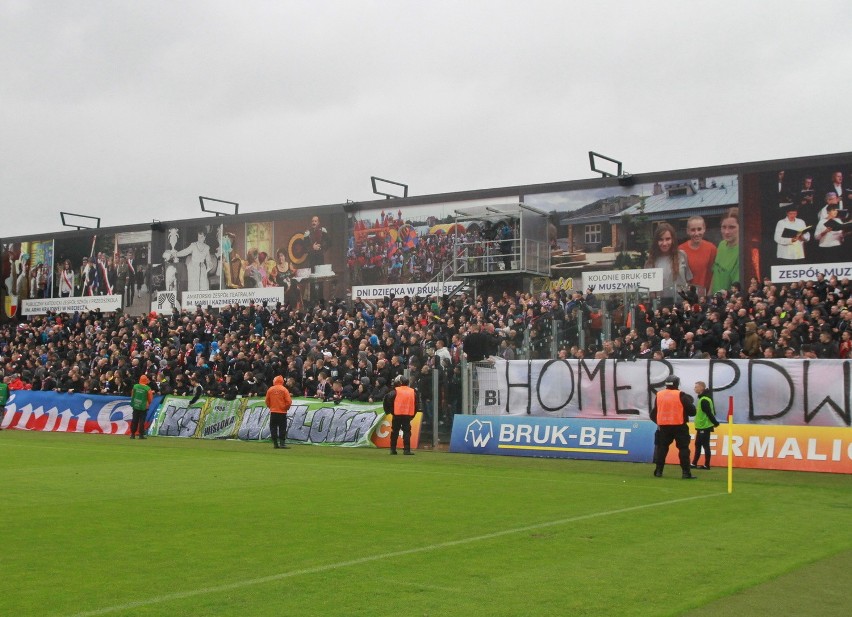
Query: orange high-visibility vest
{"points": [[403, 404], [669, 408]]}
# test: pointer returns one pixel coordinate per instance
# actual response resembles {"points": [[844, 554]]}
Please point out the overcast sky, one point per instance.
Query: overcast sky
{"points": [[131, 110]]}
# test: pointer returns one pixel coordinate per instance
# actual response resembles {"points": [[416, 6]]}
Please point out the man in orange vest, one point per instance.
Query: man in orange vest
{"points": [[671, 411], [403, 412], [278, 402]]}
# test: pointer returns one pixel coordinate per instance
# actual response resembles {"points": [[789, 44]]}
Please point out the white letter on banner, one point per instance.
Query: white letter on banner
{"points": [[524, 432], [587, 436], [52, 416], [622, 436], [791, 448], [558, 435], [109, 427], [761, 449], [82, 417], [812, 453], [65, 416], [507, 433]]}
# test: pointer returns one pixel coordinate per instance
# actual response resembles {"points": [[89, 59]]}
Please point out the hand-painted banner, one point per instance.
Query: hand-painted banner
{"points": [[786, 392], [177, 418], [605, 440], [308, 421], [74, 413], [219, 419]]}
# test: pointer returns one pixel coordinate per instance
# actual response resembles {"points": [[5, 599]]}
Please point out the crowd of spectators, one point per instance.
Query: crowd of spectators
{"points": [[341, 351], [806, 319]]}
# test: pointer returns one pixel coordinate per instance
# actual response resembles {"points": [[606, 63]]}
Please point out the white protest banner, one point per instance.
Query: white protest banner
{"points": [[218, 298], [41, 306], [618, 281], [374, 292], [785, 392], [809, 272]]}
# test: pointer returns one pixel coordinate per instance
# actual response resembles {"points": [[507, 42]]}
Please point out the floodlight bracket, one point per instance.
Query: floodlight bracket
{"points": [[68, 223], [602, 172], [207, 208], [376, 191]]}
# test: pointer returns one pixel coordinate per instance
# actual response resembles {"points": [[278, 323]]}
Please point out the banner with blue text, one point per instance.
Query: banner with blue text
{"points": [[603, 440]]}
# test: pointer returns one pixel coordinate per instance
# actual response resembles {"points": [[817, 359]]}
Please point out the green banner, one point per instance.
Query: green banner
{"points": [[309, 421], [176, 418], [219, 419]]}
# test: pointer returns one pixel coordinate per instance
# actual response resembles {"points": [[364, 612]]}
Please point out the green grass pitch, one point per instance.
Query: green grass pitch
{"points": [[102, 525]]}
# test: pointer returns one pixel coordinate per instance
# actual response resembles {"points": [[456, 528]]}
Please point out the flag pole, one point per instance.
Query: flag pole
{"points": [[730, 444]]}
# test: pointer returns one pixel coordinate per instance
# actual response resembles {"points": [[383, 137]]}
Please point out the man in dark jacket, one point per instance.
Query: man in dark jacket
{"points": [[671, 411]]}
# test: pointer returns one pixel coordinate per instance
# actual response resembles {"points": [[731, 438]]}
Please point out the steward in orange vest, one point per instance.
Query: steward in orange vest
{"points": [[403, 412], [278, 402], [671, 413]]}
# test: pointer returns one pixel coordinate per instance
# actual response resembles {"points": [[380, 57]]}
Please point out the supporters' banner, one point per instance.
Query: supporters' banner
{"points": [[71, 304], [787, 392], [308, 421], [373, 292], [319, 423], [254, 420], [73, 413], [218, 419], [177, 418], [225, 297], [809, 272], [791, 448], [608, 440], [617, 281]]}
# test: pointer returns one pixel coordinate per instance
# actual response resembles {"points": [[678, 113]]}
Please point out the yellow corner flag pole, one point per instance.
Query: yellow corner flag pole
{"points": [[730, 444]]}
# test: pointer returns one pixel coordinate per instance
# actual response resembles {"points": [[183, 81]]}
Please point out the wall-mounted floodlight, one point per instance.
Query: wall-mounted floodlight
{"points": [[80, 221], [386, 188], [208, 204]]}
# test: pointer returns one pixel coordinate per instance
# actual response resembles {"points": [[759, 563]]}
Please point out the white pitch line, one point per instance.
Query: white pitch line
{"points": [[180, 595]]}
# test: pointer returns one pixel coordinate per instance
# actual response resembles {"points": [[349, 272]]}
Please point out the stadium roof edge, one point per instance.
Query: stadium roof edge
{"points": [[514, 191]]}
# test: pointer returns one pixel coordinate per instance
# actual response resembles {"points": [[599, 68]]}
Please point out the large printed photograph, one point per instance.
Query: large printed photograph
{"points": [[301, 254], [27, 273], [105, 264], [414, 244], [688, 228], [802, 225], [186, 258]]}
